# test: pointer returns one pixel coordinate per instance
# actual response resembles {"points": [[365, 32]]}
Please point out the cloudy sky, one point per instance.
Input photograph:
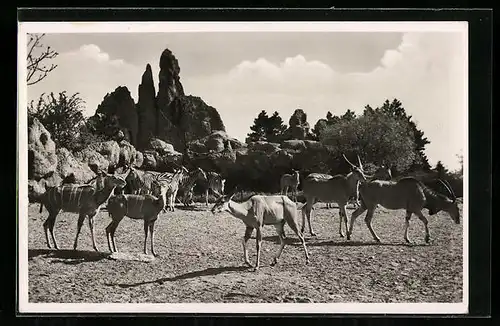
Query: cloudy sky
{"points": [[241, 74]]}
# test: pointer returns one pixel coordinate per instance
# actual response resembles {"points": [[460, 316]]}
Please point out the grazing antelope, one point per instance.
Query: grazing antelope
{"points": [[85, 200], [259, 211], [291, 181], [138, 207], [408, 193], [337, 189]]}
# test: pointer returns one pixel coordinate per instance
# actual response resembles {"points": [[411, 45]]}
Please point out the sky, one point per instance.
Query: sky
{"points": [[241, 74]]}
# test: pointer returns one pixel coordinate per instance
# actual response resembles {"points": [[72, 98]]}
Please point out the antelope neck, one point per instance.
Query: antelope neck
{"points": [[236, 209]]}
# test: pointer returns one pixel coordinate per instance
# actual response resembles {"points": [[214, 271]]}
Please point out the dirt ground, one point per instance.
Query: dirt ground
{"points": [[201, 260]]}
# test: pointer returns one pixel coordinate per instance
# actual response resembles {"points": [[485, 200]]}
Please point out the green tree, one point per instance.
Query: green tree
{"points": [[61, 115], [266, 128]]}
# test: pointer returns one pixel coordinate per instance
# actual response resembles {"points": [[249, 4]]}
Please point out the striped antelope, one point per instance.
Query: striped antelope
{"points": [[138, 207], [335, 189], [259, 211], [85, 200], [408, 193], [291, 181]]}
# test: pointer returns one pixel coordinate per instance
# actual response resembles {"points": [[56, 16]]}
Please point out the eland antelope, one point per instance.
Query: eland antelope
{"points": [[258, 211], [336, 189], [85, 200], [408, 193]]}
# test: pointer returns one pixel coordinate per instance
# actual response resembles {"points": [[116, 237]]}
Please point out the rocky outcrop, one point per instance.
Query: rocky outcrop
{"points": [[298, 126], [119, 108], [109, 149], [42, 158], [128, 154], [93, 159], [170, 115], [146, 109]]}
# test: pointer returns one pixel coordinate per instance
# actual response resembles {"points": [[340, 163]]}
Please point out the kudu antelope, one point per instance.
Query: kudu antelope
{"points": [[85, 200], [291, 181], [139, 207], [258, 211], [408, 193], [336, 189]]}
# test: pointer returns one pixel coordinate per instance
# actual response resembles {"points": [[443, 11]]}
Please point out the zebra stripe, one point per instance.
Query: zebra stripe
{"points": [[69, 197]]}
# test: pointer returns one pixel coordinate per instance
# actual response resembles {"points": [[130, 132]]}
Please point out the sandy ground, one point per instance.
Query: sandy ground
{"points": [[201, 260]]}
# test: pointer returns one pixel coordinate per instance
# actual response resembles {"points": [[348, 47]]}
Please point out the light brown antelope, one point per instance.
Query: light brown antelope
{"points": [[258, 211], [407, 193], [85, 200], [291, 181], [138, 207], [336, 189]]}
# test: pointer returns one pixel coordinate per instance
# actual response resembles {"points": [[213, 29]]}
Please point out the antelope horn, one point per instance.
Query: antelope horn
{"points": [[449, 189], [359, 161], [345, 158]]}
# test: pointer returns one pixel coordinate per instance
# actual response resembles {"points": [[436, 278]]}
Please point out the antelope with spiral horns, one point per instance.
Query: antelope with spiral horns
{"points": [[84, 200], [409, 194]]}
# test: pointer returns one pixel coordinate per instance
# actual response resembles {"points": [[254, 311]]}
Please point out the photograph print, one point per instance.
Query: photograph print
{"points": [[243, 167]]}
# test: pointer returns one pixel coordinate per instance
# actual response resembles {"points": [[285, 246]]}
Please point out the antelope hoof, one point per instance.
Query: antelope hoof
{"points": [[248, 264], [348, 236], [313, 234], [377, 240], [274, 262], [341, 235], [408, 241], [255, 269], [427, 239], [307, 261], [155, 255]]}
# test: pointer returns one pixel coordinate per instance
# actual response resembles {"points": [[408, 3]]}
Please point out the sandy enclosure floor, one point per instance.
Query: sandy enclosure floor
{"points": [[201, 260]]}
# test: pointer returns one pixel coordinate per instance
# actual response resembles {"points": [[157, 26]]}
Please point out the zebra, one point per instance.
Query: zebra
{"points": [[214, 182]]}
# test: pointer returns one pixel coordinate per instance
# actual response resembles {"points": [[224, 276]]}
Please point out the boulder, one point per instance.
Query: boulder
{"points": [[93, 159], [109, 149], [127, 154], [42, 158], [263, 146], [160, 146], [67, 164], [139, 159]]}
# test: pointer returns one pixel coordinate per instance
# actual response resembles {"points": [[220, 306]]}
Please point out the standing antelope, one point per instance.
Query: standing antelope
{"points": [[291, 181], [407, 193], [259, 211], [335, 189], [85, 200], [139, 207]]}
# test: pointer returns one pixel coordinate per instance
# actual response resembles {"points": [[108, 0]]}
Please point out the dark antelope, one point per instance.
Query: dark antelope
{"points": [[291, 181], [407, 193], [85, 200], [259, 211]]}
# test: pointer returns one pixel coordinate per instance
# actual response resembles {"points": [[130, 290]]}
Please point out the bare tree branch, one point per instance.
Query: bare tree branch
{"points": [[36, 69]]}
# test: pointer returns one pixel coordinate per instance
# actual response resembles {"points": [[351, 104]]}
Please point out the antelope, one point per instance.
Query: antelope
{"points": [[138, 207], [291, 181], [337, 189], [408, 193], [85, 200], [258, 211], [382, 173]]}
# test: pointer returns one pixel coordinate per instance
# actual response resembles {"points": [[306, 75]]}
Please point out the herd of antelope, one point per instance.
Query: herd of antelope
{"points": [[143, 195]]}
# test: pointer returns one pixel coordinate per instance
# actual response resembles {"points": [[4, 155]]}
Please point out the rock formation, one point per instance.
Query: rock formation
{"points": [[42, 158], [298, 126], [146, 109]]}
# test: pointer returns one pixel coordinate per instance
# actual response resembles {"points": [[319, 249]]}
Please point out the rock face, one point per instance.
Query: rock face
{"points": [[120, 107], [42, 158], [69, 164]]}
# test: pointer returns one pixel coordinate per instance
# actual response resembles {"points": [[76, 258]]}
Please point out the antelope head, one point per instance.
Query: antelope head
{"points": [[451, 204], [222, 203], [358, 170]]}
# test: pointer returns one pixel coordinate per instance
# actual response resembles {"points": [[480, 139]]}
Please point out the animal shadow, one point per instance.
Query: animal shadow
{"points": [[189, 275], [347, 243], [192, 208], [67, 256]]}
